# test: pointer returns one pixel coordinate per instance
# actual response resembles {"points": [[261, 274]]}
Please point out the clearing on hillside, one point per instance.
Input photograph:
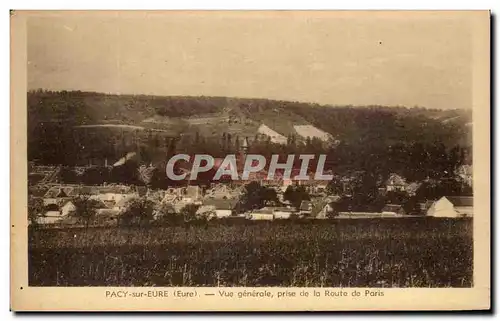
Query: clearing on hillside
{"points": [[312, 132], [275, 136]]}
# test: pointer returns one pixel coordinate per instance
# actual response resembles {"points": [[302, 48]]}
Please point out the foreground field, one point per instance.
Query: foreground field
{"points": [[411, 252]]}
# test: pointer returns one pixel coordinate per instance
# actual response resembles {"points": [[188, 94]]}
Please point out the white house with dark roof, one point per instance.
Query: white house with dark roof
{"points": [[221, 207], [452, 206], [54, 195], [55, 212]]}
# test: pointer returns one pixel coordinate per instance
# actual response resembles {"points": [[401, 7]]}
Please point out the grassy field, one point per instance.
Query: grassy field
{"points": [[410, 252]]}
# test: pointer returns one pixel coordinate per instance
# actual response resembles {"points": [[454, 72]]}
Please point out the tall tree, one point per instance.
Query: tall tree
{"points": [[224, 142], [165, 213], [256, 196], [237, 144], [35, 209], [296, 194], [138, 211], [145, 174], [229, 145], [188, 212], [85, 209]]}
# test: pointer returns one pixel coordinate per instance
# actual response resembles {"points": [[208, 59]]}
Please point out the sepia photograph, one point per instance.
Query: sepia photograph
{"points": [[251, 151]]}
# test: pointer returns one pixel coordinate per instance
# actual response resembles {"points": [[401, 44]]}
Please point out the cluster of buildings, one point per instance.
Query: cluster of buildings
{"points": [[222, 200], [110, 199], [444, 207], [450, 206], [215, 201]]}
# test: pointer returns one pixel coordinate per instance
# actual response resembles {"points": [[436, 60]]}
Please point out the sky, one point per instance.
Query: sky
{"points": [[423, 60]]}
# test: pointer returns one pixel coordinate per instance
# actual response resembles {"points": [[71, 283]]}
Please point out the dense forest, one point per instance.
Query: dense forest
{"points": [[80, 128]]}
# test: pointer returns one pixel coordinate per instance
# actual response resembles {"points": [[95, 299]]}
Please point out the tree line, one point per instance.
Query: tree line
{"points": [[413, 142]]}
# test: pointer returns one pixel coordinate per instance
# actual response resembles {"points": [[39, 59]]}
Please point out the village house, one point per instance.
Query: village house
{"points": [[220, 207], [54, 195], [393, 210], [52, 214], [55, 212], [112, 193], [306, 208], [325, 207], [452, 206], [396, 183], [108, 204], [263, 214], [283, 212]]}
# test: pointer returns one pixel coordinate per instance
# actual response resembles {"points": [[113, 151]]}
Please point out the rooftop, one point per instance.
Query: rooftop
{"points": [[461, 200]]}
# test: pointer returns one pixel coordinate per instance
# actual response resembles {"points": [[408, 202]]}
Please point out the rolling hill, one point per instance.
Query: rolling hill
{"points": [[57, 119]]}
